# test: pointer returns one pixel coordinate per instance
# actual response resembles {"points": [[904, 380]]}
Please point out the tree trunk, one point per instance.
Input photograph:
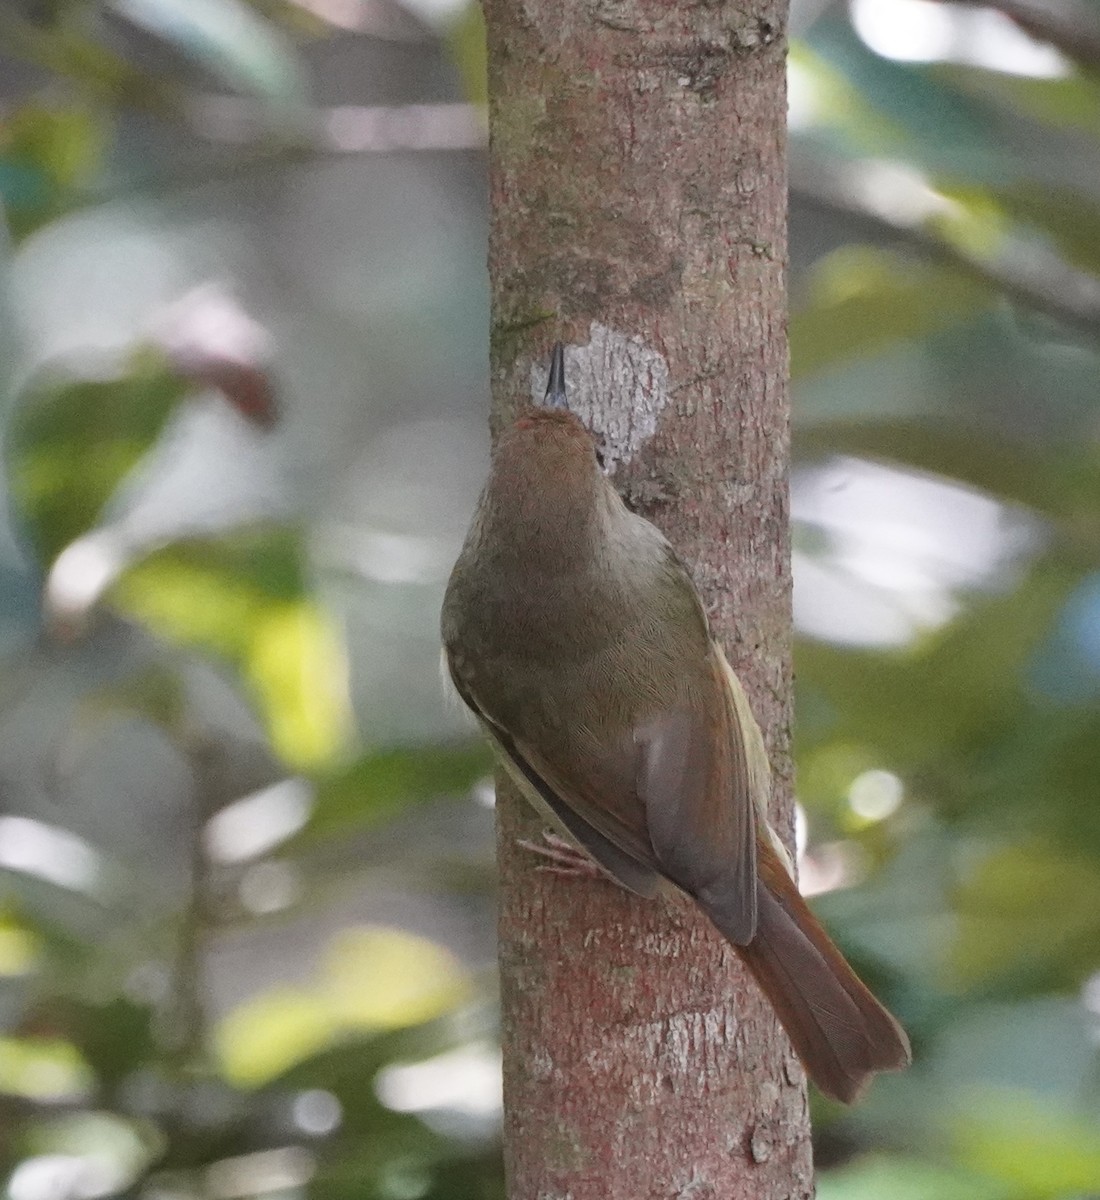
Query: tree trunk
{"points": [[638, 196]]}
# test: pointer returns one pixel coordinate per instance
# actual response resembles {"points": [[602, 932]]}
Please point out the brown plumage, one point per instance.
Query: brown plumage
{"points": [[578, 640]]}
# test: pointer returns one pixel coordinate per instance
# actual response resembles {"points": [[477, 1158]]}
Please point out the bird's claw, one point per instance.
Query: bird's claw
{"points": [[563, 857]]}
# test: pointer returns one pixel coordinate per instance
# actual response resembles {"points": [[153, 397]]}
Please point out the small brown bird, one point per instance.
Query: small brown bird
{"points": [[579, 641]]}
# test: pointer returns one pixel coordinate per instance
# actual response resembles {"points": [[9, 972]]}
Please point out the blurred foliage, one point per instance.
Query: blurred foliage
{"points": [[50, 153], [262, 1039], [70, 443], [245, 597], [466, 37], [948, 323], [380, 785], [213, 648], [945, 328]]}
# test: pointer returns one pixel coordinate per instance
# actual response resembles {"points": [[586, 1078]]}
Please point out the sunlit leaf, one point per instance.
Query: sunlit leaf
{"points": [[19, 948], [373, 980], [297, 667], [263, 1037], [826, 774], [1071, 103], [115, 1148], [973, 223], [834, 103], [42, 1068], [245, 597], [209, 593], [880, 1178], [1030, 1145], [377, 978]]}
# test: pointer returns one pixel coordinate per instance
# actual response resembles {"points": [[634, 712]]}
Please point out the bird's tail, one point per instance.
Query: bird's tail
{"points": [[842, 1034]]}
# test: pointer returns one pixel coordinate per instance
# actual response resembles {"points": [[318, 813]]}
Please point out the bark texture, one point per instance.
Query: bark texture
{"points": [[638, 195]]}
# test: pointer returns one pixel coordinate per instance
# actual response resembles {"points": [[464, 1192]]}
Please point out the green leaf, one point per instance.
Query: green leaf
{"points": [[116, 1037], [156, 692], [917, 116], [115, 1148], [1037, 1047], [72, 441], [989, 460], [837, 105], [262, 1038], [1030, 1145], [20, 948], [958, 687], [42, 1068], [1069, 217], [51, 154], [373, 980], [863, 300], [377, 979], [465, 39], [245, 597], [66, 142], [1026, 908], [881, 1178], [379, 785], [1071, 103]]}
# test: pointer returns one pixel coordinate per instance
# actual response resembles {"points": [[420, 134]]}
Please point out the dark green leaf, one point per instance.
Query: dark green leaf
{"points": [[383, 783], [71, 442]]}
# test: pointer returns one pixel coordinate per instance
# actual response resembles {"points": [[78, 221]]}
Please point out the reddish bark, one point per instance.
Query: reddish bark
{"points": [[638, 213]]}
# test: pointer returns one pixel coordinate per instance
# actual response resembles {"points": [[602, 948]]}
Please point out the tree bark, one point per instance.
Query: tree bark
{"points": [[638, 195]]}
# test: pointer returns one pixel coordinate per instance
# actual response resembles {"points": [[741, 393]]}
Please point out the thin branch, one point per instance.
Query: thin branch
{"points": [[1071, 28], [1023, 271], [184, 1022], [346, 128]]}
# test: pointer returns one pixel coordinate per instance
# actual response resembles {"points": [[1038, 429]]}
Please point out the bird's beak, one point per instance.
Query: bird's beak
{"points": [[555, 384]]}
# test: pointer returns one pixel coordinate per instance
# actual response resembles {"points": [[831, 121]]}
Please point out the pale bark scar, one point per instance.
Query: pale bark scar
{"points": [[617, 385]]}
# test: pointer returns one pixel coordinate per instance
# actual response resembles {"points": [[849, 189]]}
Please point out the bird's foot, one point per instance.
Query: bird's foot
{"points": [[563, 858]]}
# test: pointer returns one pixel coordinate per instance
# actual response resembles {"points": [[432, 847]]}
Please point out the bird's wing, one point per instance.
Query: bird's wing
{"points": [[675, 795], [696, 784], [624, 857]]}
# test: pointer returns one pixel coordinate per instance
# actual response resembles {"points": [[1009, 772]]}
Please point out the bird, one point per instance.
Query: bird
{"points": [[578, 640]]}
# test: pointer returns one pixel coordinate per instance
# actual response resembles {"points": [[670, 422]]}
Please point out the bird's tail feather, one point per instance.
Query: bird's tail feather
{"points": [[842, 1034]]}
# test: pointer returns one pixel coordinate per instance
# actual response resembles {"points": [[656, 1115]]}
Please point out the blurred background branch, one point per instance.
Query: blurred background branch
{"points": [[1073, 26], [872, 197]]}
